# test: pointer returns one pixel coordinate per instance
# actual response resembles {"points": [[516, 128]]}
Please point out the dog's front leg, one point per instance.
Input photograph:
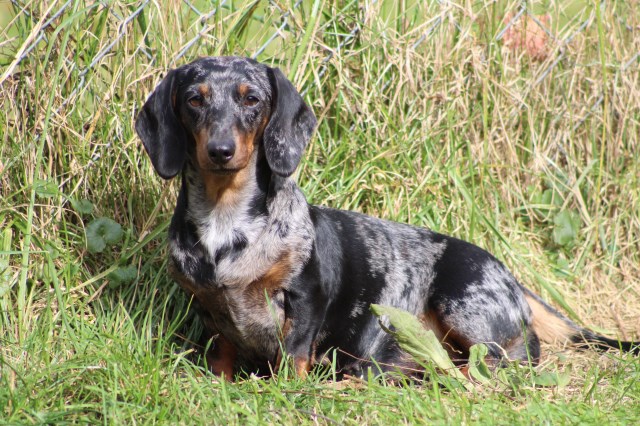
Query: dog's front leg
{"points": [[222, 357], [305, 309]]}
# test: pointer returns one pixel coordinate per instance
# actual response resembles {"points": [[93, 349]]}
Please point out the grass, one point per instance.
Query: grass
{"points": [[426, 116]]}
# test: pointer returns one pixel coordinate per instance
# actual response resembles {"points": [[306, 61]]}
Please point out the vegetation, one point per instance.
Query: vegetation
{"points": [[439, 114]]}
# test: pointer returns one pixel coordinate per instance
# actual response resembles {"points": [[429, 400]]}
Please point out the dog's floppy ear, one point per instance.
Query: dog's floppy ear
{"points": [[161, 132], [290, 127]]}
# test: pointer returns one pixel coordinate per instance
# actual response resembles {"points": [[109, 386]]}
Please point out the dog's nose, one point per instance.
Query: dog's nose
{"points": [[221, 152]]}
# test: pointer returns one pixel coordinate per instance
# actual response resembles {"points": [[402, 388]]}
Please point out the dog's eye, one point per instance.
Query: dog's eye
{"points": [[196, 101], [250, 101]]}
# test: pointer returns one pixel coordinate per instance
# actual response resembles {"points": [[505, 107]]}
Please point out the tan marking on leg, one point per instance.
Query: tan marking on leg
{"points": [[278, 361], [302, 366], [222, 358], [431, 322], [464, 369], [456, 345], [286, 327]]}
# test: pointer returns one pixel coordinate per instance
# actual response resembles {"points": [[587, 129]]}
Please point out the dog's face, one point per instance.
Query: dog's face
{"points": [[216, 110], [224, 105]]}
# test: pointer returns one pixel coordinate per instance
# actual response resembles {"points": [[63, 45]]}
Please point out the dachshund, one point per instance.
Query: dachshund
{"points": [[270, 273]]}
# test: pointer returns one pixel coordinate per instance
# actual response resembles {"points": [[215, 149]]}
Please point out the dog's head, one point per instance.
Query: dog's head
{"points": [[217, 110]]}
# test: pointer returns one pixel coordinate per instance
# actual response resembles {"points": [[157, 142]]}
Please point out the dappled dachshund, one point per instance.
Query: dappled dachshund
{"points": [[268, 271]]}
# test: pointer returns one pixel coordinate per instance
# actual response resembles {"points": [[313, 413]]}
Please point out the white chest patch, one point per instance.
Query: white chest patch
{"points": [[285, 230]]}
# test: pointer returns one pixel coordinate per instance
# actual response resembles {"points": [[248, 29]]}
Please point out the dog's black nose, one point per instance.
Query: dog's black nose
{"points": [[221, 152]]}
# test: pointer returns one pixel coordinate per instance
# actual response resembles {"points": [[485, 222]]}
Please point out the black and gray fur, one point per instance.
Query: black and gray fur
{"points": [[264, 265]]}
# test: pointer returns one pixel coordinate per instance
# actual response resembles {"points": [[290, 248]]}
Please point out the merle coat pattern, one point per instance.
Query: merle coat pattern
{"points": [[266, 267]]}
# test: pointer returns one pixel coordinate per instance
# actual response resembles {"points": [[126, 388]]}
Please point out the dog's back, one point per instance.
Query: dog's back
{"points": [[458, 290]]}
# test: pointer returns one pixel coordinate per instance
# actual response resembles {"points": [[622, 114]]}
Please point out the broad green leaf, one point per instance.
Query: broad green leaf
{"points": [[551, 379], [546, 198], [123, 275], [45, 188], [102, 231], [416, 340], [82, 206], [95, 244], [566, 227], [562, 267], [478, 368]]}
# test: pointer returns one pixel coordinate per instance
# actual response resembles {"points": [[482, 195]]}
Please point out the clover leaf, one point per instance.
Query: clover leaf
{"points": [[45, 188], [122, 275], [82, 206], [566, 227], [102, 232]]}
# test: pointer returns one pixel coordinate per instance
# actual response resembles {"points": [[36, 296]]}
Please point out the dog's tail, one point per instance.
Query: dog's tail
{"points": [[551, 326]]}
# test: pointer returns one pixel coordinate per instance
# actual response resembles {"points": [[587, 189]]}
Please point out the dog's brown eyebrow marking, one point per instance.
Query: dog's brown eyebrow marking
{"points": [[243, 89], [204, 90]]}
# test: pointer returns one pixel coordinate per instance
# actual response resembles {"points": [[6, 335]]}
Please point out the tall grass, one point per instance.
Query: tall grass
{"points": [[426, 116]]}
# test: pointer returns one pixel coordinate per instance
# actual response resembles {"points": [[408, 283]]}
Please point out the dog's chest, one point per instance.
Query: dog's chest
{"points": [[226, 236], [247, 316], [235, 296], [238, 266], [244, 301]]}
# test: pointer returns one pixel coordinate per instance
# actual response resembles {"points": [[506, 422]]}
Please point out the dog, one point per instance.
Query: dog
{"points": [[270, 273]]}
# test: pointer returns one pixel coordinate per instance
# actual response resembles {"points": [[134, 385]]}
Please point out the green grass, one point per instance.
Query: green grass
{"points": [[459, 134]]}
